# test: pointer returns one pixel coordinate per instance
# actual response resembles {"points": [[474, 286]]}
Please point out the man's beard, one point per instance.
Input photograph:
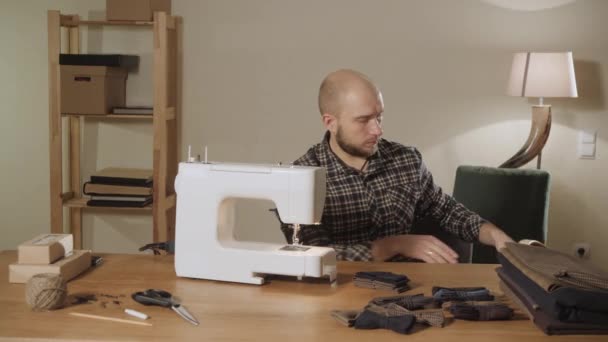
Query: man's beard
{"points": [[351, 149]]}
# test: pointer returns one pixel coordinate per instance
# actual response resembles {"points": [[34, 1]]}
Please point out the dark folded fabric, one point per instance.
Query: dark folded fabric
{"points": [[346, 317], [578, 300], [432, 317], [386, 277], [445, 294], [585, 299], [376, 285], [481, 311], [548, 324], [410, 302], [382, 280], [373, 320]]}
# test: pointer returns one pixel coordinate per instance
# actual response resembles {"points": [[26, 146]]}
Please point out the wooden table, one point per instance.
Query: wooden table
{"points": [[284, 310]]}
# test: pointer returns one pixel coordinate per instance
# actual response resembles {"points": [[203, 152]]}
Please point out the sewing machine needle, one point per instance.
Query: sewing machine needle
{"points": [[296, 232]]}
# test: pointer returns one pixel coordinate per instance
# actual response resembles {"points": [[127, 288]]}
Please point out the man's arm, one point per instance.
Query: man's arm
{"points": [[457, 219], [454, 217], [422, 247], [430, 249], [491, 235]]}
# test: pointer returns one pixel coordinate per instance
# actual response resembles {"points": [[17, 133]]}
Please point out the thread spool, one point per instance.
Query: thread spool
{"points": [[45, 291]]}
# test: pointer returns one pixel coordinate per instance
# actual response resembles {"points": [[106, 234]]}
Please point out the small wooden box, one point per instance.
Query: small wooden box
{"points": [[45, 249], [92, 89], [136, 10]]}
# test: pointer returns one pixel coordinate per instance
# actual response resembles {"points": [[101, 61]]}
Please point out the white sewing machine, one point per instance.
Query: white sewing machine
{"points": [[205, 246]]}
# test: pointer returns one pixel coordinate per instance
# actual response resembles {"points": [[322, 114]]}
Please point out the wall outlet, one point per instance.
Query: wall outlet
{"points": [[581, 249]]}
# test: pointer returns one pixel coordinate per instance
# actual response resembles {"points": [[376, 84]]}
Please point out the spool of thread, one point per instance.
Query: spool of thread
{"points": [[45, 291]]}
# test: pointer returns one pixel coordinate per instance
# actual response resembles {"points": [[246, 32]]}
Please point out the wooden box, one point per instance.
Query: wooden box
{"points": [[45, 249], [92, 89], [136, 10]]}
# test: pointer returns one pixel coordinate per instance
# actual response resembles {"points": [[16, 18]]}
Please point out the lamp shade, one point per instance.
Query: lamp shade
{"points": [[542, 74]]}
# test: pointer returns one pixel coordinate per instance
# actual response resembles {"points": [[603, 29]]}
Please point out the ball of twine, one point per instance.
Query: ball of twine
{"points": [[45, 291]]}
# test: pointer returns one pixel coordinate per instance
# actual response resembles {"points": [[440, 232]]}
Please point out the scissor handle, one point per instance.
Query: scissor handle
{"points": [[153, 297]]}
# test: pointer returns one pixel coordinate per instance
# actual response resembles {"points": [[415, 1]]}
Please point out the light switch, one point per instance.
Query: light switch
{"points": [[587, 137], [586, 144], [586, 151]]}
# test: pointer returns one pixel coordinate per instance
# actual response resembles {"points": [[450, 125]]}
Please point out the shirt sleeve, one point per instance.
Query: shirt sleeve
{"points": [[317, 235], [453, 217]]}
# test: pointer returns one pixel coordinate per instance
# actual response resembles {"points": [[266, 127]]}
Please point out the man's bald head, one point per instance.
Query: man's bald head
{"points": [[338, 85]]}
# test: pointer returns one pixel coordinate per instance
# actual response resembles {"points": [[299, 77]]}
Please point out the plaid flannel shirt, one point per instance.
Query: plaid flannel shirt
{"points": [[387, 199]]}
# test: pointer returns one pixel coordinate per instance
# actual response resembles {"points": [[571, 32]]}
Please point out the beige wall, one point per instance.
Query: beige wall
{"points": [[251, 72]]}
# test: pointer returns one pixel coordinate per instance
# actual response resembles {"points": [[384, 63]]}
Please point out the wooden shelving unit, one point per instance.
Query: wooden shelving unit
{"points": [[167, 71]]}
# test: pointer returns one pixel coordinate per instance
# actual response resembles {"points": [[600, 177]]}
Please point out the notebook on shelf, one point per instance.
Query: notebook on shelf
{"points": [[109, 189], [123, 176], [119, 201], [108, 60]]}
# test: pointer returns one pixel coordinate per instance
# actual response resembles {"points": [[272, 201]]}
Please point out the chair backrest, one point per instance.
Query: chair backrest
{"points": [[516, 200]]}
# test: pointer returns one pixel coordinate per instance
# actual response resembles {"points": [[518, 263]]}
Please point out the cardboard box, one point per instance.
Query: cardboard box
{"points": [[69, 267], [136, 10], [45, 249], [92, 89]]}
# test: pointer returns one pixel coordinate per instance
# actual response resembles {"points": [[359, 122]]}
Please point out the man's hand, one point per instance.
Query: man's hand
{"points": [[423, 247], [491, 235]]}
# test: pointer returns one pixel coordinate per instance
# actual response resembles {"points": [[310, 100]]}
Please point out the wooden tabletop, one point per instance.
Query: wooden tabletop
{"points": [[283, 310]]}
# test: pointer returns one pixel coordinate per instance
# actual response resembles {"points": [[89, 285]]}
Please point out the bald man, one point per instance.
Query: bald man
{"points": [[376, 189]]}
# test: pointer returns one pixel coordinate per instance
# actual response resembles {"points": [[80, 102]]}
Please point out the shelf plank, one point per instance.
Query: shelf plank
{"points": [[82, 203], [112, 116], [70, 22]]}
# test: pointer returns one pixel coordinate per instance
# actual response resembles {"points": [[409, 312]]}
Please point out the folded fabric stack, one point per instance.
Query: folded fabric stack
{"points": [[382, 281], [561, 294]]}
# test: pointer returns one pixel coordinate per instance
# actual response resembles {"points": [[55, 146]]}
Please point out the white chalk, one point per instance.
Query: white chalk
{"points": [[137, 314]]}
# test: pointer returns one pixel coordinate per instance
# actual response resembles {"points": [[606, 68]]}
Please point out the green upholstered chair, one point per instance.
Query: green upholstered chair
{"points": [[516, 200]]}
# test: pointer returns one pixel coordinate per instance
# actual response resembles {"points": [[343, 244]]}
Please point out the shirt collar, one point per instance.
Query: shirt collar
{"points": [[334, 163]]}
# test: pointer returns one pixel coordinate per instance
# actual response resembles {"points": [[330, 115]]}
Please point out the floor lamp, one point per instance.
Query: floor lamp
{"points": [[539, 74]]}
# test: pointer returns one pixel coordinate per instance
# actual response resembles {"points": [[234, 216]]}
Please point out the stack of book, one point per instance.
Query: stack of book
{"points": [[119, 187]]}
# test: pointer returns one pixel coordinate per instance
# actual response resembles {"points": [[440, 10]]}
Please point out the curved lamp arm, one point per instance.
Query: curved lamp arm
{"points": [[539, 132]]}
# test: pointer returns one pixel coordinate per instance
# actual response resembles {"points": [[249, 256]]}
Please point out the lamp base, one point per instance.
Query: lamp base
{"points": [[539, 133]]}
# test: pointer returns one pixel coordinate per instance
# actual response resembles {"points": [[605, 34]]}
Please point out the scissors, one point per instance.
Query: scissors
{"points": [[164, 299]]}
